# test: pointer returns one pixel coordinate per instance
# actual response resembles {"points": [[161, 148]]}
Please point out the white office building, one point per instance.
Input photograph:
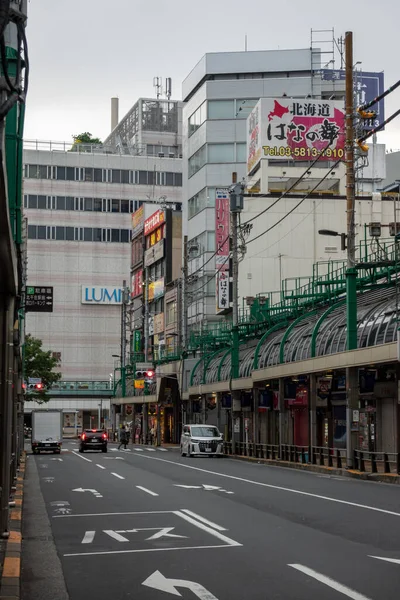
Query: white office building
{"points": [[220, 92]]}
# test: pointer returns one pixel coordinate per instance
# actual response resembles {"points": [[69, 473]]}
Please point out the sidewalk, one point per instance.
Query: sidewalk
{"points": [[11, 571], [352, 473]]}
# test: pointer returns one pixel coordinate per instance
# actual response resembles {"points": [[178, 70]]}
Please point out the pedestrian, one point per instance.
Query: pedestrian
{"points": [[152, 435], [123, 437]]}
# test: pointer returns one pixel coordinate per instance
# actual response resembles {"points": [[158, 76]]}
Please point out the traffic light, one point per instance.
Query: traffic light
{"points": [[147, 374]]}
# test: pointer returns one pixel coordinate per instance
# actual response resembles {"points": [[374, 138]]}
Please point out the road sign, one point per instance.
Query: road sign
{"points": [[34, 380], [157, 581], [39, 299]]}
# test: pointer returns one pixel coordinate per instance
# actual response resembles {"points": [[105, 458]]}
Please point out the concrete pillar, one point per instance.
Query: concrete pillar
{"points": [[312, 405], [281, 409], [351, 405]]}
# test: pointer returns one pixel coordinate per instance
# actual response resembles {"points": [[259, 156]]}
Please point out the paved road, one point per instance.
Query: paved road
{"points": [[150, 524]]}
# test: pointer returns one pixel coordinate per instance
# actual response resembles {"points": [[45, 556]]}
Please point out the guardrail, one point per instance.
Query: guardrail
{"points": [[377, 462], [364, 461]]}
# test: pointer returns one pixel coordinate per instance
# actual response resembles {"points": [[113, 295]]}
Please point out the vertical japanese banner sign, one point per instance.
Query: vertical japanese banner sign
{"points": [[222, 218]]}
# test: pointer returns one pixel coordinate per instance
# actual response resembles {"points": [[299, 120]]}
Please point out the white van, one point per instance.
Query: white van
{"points": [[205, 440]]}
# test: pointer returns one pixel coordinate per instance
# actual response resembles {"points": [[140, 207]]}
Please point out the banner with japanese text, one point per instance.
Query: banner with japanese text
{"points": [[222, 219], [296, 129]]}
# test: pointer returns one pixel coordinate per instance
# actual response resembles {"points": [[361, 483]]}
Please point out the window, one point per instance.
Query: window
{"points": [[124, 176], [116, 175], [60, 205], [32, 232], [32, 201], [241, 153], [124, 235], [197, 161], [169, 179], [171, 312], [98, 175], [151, 177], [32, 171], [125, 206], [221, 109], [97, 204], [88, 174], [41, 201], [97, 234], [197, 118], [43, 172], [211, 241], [205, 198], [142, 177], [41, 232], [87, 234], [178, 179], [244, 107], [25, 201], [114, 206], [69, 234], [150, 150], [88, 204], [69, 203], [115, 235], [60, 173], [70, 174], [221, 153], [60, 233]]}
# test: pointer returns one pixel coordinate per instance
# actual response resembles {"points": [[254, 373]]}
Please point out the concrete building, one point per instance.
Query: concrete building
{"points": [[79, 203], [220, 92]]}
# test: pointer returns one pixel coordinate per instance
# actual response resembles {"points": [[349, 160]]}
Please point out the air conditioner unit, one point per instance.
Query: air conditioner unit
{"points": [[171, 155], [180, 156], [161, 155]]}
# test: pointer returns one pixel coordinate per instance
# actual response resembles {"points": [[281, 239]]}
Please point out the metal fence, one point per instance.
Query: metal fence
{"points": [[366, 462]]}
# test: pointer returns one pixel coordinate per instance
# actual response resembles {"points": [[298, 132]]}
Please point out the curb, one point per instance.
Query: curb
{"points": [[11, 572], [350, 473]]}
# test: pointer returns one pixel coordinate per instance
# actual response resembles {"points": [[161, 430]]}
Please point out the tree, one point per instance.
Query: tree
{"points": [[86, 138], [40, 364]]}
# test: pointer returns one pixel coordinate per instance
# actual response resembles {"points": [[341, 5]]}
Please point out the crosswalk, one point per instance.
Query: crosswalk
{"points": [[143, 449]]}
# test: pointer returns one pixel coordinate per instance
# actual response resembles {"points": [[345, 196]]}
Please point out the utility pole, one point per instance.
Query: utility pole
{"points": [[146, 314], [123, 339], [236, 205], [351, 272], [184, 322]]}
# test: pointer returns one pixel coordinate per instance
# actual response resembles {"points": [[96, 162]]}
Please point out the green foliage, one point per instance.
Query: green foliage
{"points": [[86, 138], [40, 363]]}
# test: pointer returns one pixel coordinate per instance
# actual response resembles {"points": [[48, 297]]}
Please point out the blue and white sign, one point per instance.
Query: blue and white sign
{"points": [[367, 86], [101, 295]]}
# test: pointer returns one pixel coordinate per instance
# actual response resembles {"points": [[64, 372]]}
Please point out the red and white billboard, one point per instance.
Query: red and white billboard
{"points": [[297, 129], [222, 219], [153, 222], [137, 283]]}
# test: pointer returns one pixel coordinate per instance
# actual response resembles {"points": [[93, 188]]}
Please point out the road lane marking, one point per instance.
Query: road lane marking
{"points": [[109, 514], [116, 536], [274, 487], [162, 449], [139, 487], [100, 466], [335, 585], [203, 520], [116, 475], [204, 527], [148, 550], [396, 561], [79, 456], [150, 449], [88, 537], [138, 449], [157, 581]]}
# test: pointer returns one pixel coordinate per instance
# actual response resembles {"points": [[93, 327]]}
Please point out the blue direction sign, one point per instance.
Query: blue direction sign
{"points": [[367, 86]]}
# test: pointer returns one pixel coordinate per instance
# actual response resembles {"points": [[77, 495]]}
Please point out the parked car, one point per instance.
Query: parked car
{"points": [[93, 439], [205, 440]]}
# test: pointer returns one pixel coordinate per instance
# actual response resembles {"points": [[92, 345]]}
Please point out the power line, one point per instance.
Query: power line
{"points": [[297, 205]]}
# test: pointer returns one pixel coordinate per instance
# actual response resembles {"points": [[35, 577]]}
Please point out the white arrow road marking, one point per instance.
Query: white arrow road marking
{"points": [[94, 492], [113, 458], [396, 561], [208, 488], [211, 487], [88, 537], [161, 532], [335, 585], [59, 503], [63, 510], [59, 459], [157, 581], [188, 487], [139, 487]]}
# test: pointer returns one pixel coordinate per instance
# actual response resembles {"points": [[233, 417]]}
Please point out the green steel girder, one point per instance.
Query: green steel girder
{"points": [[221, 363], [194, 370], [262, 340], [288, 332], [319, 323], [207, 362]]}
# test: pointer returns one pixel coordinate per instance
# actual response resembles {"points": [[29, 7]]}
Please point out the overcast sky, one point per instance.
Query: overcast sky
{"points": [[82, 52]]}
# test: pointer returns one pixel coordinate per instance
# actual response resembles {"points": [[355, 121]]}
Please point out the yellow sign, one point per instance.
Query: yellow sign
{"points": [[139, 384]]}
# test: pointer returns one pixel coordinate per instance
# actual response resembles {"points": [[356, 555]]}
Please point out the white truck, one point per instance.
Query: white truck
{"points": [[47, 431]]}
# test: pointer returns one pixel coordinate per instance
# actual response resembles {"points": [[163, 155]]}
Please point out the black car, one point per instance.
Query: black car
{"points": [[93, 439]]}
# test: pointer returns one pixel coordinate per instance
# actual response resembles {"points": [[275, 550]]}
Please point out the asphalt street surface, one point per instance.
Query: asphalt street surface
{"points": [[146, 523]]}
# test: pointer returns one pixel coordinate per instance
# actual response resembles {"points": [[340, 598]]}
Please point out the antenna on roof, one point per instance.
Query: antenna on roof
{"points": [[157, 84], [168, 87], [245, 42]]}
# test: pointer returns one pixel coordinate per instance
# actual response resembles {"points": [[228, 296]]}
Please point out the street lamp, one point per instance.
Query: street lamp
{"points": [[343, 236]]}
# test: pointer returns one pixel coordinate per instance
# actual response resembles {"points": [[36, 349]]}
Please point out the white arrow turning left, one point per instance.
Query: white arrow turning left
{"points": [[157, 581]]}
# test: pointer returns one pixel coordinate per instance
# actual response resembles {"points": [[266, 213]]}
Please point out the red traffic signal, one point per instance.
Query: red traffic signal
{"points": [[38, 386], [149, 374]]}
